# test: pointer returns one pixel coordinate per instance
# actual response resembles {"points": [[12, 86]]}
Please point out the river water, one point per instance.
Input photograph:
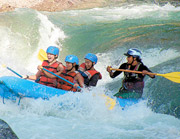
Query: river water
{"points": [[108, 32]]}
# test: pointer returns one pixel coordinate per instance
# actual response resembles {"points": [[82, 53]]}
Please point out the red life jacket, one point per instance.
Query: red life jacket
{"points": [[64, 85], [53, 68], [89, 73]]}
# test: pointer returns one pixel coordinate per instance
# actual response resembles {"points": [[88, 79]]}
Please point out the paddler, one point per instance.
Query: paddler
{"points": [[87, 70], [133, 83], [71, 74], [51, 64]]}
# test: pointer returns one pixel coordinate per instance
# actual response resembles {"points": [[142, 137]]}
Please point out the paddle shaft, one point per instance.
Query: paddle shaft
{"points": [[14, 72], [173, 76], [110, 103], [60, 77], [133, 71]]}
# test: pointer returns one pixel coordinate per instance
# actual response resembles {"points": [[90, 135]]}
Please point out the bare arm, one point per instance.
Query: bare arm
{"points": [[34, 77], [80, 80]]}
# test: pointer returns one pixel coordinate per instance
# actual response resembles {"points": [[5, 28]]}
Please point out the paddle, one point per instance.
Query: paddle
{"points": [[173, 76], [60, 78], [12, 70], [42, 55], [110, 103]]}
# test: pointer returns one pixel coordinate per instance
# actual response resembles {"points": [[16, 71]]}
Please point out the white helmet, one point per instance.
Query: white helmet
{"points": [[134, 52]]}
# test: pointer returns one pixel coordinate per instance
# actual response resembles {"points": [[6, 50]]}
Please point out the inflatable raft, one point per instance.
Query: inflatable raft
{"points": [[13, 87]]}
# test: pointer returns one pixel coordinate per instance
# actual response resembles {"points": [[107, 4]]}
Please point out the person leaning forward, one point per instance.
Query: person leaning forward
{"points": [[87, 70], [133, 83]]}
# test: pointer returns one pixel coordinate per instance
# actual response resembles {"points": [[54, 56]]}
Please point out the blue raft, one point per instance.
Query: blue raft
{"points": [[13, 87], [127, 102]]}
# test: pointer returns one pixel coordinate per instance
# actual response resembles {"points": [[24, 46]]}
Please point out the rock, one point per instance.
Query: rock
{"points": [[51, 5], [6, 132], [6, 8]]}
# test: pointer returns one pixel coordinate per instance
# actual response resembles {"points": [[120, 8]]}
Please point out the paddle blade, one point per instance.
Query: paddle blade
{"points": [[3, 65], [42, 55], [173, 76], [110, 103]]}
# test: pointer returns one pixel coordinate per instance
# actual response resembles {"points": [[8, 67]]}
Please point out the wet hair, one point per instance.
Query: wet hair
{"points": [[139, 60], [77, 67], [56, 57]]}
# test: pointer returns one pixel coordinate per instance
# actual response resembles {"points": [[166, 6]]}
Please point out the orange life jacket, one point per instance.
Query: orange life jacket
{"points": [[89, 73], [53, 68], [64, 85]]}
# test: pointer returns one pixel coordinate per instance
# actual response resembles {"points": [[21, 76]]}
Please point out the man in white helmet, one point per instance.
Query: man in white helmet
{"points": [[133, 83]]}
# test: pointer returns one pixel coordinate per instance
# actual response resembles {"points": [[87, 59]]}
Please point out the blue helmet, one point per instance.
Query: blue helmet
{"points": [[72, 59], [134, 52], [91, 57], [53, 50]]}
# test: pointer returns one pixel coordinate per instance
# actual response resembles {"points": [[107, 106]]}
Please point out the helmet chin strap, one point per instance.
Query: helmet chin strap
{"points": [[52, 61], [71, 68], [91, 66], [132, 61]]}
